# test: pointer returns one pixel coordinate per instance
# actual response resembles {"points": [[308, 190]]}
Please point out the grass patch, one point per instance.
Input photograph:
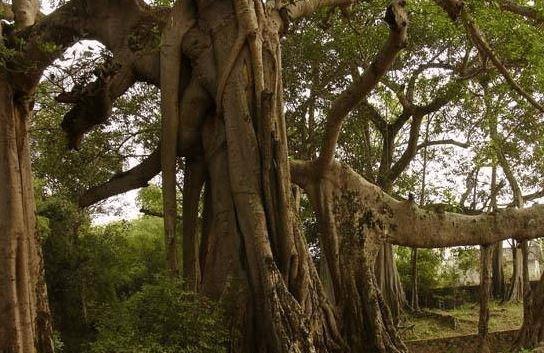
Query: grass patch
{"points": [[502, 318]]}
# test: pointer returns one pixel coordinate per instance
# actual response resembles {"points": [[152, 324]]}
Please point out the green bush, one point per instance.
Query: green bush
{"points": [[161, 318], [428, 264]]}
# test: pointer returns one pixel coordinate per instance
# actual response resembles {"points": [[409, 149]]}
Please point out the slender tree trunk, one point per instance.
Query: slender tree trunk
{"points": [[515, 290], [415, 295], [388, 277], [526, 279], [498, 253], [486, 256], [194, 181], [498, 272], [25, 326]]}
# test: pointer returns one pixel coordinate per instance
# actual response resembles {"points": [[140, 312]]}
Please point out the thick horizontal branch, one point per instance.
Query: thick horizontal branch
{"points": [[533, 196], [443, 142], [92, 104], [134, 178], [397, 19], [154, 213], [304, 8], [528, 12], [123, 26], [404, 223]]}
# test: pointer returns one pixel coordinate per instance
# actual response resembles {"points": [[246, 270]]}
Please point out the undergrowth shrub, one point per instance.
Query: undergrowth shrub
{"points": [[162, 318]]}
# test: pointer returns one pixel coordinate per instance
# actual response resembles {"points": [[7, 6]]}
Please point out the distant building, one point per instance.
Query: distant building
{"points": [[536, 262]]}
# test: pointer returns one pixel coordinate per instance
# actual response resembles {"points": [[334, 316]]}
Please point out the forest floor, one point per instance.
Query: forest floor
{"points": [[460, 321]]}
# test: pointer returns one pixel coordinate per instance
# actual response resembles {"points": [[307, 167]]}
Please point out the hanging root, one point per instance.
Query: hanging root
{"points": [[192, 187], [233, 56], [248, 29], [181, 19]]}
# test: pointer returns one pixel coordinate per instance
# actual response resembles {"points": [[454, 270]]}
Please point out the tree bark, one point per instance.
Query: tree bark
{"points": [[515, 289], [25, 12], [409, 225], [498, 272], [192, 187], [25, 326], [527, 300], [389, 282], [349, 237], [415, 295], [532, 330], [252, 246]]}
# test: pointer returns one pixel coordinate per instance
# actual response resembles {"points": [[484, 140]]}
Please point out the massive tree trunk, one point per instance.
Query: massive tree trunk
{"points": [[25, 325], [253, 250], [350, 239]]}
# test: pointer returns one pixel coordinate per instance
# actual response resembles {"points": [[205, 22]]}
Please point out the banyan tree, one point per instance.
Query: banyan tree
{"points": [[219, 69]]}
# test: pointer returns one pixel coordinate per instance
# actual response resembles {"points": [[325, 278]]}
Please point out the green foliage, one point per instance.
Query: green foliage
{"points": [[57, 342], [89, 268], [63, 172], [150, 198], [163, 2], [161, 318], [429, 264], [436, 267], [466, 258]]}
